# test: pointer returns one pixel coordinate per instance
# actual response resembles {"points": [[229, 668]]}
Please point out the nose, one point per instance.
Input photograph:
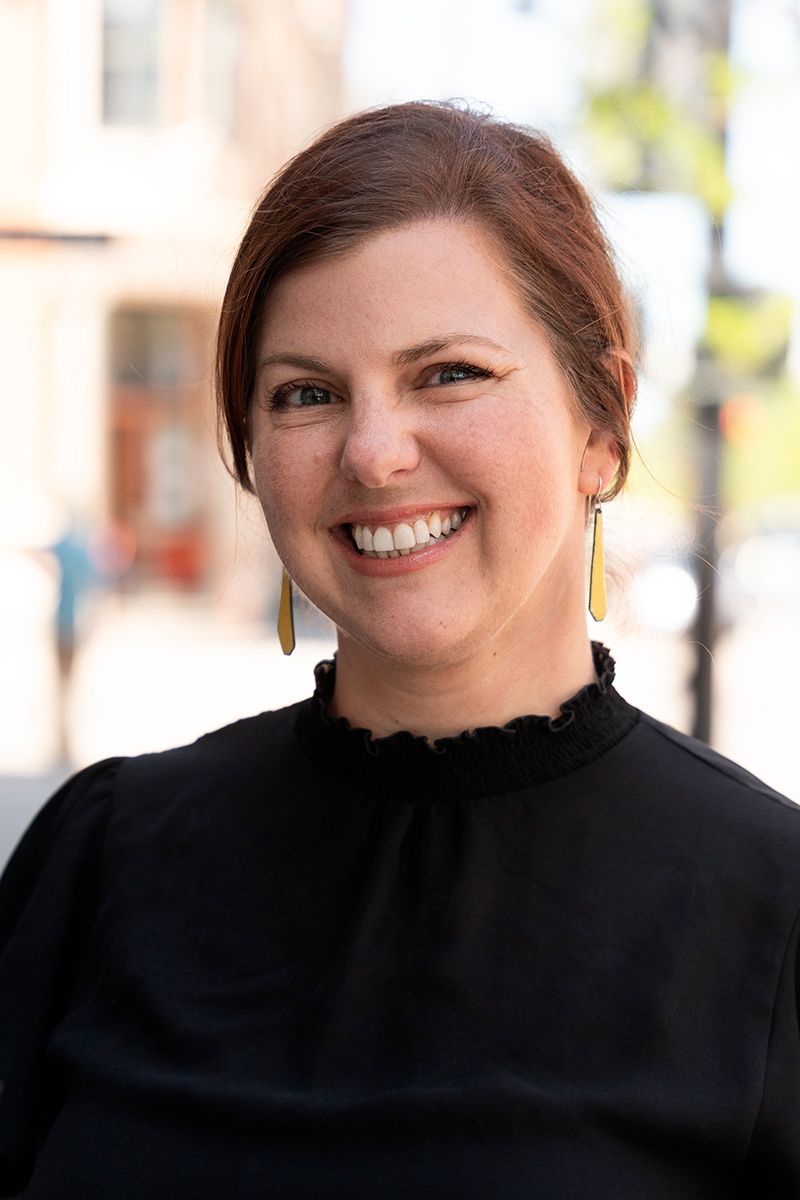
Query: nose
{"points": [[379, 443]]}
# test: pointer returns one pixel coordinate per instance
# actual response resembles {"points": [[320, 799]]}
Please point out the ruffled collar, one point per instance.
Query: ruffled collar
{"points": [[479, 762]]}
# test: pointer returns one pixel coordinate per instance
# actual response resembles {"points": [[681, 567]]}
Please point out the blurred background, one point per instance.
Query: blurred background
{"points": [[138, 591]]}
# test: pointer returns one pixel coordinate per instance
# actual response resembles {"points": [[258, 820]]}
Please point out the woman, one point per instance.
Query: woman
{"points": [[402, 939]]}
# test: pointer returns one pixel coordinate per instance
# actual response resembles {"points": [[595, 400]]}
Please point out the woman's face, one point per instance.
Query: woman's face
{"points": [[398, 385]]}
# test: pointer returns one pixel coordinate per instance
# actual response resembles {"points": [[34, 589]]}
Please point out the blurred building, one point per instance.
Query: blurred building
{"points": [[136, 137]]}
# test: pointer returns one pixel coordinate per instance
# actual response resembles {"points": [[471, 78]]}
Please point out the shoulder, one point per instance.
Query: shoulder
{"points": [[693, 759], [725, 809], [231, 753], [235, 774], [246, 758]]}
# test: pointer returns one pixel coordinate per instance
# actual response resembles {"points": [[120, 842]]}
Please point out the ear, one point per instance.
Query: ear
{"points": [[620, 363], [599, 461], [601, 454]]}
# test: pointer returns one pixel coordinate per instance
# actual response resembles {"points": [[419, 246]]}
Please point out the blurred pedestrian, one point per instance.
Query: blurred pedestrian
{"points": [[75, 575]]}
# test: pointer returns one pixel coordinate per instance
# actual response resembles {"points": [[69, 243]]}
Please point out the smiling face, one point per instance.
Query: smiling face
{"points": [[402, 383]]}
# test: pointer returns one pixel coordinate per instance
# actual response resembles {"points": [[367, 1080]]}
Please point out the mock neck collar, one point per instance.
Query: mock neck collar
{"points": [[481, 762]]}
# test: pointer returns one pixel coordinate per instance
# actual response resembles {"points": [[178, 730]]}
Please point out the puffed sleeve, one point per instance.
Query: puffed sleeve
{"points": [[45, 903], [772, 1168]]}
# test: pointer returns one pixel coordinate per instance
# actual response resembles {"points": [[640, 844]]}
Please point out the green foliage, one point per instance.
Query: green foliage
{"points": [[652, 128], [640, 139], [759, 451], [722, 83], [763, 461], [661, 466], [650, 132], [745, 336]]}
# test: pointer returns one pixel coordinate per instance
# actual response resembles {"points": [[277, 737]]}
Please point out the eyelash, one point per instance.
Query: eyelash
{"points": [[277, 398], [477, 372]]}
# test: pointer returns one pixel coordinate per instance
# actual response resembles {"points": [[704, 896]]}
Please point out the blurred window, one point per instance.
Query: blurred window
{"points": [[149, 348], [159, 427], [131, 36]]}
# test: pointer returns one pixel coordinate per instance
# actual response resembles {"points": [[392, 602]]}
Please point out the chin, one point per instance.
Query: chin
{"points": [[414, 646]]}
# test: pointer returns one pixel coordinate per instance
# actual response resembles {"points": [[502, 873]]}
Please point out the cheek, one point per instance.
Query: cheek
{"points": [[511, 465], [279, 487]]}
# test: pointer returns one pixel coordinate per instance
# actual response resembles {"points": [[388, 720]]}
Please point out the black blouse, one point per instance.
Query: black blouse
{"points": [[556, 960]]}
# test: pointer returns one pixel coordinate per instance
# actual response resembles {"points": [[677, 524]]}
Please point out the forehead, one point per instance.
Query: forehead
{"points": [[407, 283]]}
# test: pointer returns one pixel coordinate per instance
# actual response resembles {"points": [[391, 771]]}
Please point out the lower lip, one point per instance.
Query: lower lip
{"points": [[388, 567]]}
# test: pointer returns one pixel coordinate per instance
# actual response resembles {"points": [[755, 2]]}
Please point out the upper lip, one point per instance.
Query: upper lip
{"points": [[390, 516]]}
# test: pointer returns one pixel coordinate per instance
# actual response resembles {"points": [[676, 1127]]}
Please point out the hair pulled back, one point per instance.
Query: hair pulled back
{"points": [[391, 166]]}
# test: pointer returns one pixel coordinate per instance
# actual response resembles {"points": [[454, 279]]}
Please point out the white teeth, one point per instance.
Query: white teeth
{"points": [[404, 537], [382, 539], [421, 532]]}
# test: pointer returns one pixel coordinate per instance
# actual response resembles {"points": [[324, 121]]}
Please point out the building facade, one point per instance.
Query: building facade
{"points": [[137, 135]]}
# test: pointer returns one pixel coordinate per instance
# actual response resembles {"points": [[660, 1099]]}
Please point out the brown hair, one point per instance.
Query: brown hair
{"points": [[391, 166]]}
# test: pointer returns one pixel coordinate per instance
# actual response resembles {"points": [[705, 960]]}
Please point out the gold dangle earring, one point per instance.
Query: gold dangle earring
{"points": [[597, 571], [286, 615]]}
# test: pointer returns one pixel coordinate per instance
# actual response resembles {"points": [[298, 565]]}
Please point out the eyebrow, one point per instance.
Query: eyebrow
{"points": [[402, 358]]}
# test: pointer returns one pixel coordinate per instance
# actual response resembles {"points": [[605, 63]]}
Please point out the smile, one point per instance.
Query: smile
{"points": [[409, 536]]}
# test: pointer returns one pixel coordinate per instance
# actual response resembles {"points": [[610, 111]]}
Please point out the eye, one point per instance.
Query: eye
{"points": [[300, 395], [460, 372]]}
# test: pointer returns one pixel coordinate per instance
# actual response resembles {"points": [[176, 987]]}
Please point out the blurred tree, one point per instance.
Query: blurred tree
{"points": [[657, 108], [658, 98], [749, 339]]}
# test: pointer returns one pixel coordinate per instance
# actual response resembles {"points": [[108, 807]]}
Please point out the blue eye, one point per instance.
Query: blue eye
{"points": [[314, 395], [309, 396], [462, 373]]}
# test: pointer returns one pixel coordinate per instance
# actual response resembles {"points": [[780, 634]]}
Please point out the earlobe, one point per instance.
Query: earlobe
{"points": [[600, 457]]}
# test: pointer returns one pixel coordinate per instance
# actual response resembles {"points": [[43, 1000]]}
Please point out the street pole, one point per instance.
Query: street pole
{"points": [[680, 27], [708, 448]]}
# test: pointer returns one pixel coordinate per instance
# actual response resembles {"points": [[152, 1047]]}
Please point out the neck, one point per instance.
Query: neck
{"points": [[521, 672]]}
